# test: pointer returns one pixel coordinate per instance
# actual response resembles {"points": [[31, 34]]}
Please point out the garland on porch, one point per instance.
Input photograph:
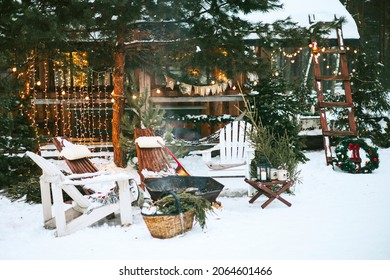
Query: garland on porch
{"points": [[213, 120], [350, 164]]}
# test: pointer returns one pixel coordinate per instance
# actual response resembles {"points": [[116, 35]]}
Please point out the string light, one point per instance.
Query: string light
{"points": [[292, 54], [56, 92], [106, 98], [92, 112], [31, 72], [46, 95], [68, 83], [81, 120], [99, 112], [75, 107]]}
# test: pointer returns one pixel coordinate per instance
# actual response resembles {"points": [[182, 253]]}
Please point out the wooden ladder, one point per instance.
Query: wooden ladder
{"points": [[323, 105]]}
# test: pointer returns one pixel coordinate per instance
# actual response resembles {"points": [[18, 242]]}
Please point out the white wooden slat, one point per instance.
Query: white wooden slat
{"points": [[228, 139], [241, 141], [234, 141], [53, 179], [46, 199]]}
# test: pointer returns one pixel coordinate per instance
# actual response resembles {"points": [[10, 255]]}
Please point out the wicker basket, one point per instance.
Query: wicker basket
{"points": [[168, 226], [164, 226]]}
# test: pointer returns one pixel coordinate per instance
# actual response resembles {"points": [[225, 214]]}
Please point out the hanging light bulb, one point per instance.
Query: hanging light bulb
{"points": [[314, 47]]}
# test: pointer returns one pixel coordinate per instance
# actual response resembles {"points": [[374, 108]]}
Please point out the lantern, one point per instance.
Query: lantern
{"points": [[263, 169]]}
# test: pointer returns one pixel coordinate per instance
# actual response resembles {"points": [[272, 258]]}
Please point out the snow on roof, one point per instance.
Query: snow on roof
{"points": [[300, 10]]}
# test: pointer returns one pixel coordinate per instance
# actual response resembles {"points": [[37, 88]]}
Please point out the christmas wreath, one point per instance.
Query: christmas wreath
{"points": [[353, 164]]}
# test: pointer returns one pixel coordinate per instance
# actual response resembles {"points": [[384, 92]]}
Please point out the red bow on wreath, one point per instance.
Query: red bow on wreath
{"points": [[355, 150]]}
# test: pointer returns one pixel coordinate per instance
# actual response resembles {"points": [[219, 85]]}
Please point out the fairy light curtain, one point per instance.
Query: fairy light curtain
{"points": [[70, 99], [85, 106]]}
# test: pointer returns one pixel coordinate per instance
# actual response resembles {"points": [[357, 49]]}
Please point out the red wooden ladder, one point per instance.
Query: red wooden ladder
{"points": [[325, 106]]}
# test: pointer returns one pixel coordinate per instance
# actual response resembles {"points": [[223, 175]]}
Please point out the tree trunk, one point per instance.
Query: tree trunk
{"points": [[119, 99]]}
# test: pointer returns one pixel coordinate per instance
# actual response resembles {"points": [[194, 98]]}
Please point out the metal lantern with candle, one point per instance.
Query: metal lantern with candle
{"points": [[263, 169]]}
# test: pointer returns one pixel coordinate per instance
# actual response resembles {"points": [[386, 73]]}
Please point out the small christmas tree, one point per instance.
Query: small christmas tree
{"points": [[143, 114], [276, 107]]}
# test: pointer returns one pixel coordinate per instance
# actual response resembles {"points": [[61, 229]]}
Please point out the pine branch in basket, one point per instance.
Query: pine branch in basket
{"points": [[167, 206]]}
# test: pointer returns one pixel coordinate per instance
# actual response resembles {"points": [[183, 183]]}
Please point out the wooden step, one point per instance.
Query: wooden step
{"points": [[338, 133], [335, 104], [333, 78]]}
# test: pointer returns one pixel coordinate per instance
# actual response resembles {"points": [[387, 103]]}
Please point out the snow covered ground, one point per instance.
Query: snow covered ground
{"points": [[334, 216]]}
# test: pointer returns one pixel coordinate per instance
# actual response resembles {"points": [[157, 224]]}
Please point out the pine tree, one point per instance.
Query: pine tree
{"points": [[372, 103], [19, 176], [151, 34], [373, 21], [276, 106]]}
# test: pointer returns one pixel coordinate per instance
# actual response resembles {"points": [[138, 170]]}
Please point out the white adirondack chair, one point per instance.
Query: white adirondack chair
{"points": [[235, 152], [81, 214]]}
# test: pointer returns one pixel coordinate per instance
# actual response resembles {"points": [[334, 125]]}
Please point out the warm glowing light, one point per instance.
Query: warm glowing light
{"points": [[38, 83], [158, 91], [14, 69], [314, 47], [234, 87]]}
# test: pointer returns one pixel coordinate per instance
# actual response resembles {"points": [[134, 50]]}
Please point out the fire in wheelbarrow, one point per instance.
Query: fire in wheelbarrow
{"points": [[206, 187]]}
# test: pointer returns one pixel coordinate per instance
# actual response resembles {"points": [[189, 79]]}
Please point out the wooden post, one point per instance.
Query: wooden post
{"points": [[118, 106]]}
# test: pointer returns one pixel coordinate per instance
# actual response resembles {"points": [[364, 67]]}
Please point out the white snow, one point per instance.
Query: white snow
{"points": [[334, 215], [300, 10]]}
